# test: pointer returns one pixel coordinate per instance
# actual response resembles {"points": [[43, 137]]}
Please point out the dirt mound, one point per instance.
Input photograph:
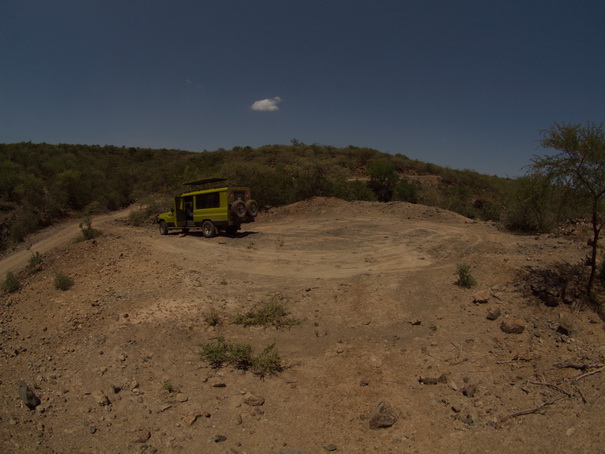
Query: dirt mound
{"points": [[388, 354]]}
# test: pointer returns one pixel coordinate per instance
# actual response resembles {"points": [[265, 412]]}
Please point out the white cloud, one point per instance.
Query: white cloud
{"points": [[267, 105]]}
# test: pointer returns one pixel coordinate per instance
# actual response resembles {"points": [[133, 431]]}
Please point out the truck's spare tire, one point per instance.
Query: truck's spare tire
{"points": [[252, 208], [238, 209]]}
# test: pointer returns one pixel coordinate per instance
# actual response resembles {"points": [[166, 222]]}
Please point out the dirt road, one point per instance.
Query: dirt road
{"points": [[50, 239], [115, 360]]}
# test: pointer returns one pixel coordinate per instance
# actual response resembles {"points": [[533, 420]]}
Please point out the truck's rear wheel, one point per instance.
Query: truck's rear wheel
{"points": [[208, 229], [163, 228]]}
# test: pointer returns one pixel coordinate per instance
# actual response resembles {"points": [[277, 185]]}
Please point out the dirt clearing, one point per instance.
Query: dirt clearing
{"points": [[115, 360]]}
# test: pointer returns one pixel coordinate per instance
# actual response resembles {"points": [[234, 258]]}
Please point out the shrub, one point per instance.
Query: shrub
{"points": [[136, 218], [268, 362], [63, 282], [241, 356], [34, 263], [465, 278], [270, 313], [24, 223], [407, 192], [11, 283], [212, 318], [216, 353], [88, 233], [168, 386]]}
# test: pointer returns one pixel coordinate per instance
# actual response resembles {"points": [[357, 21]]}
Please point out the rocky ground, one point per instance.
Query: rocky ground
{"points": [[388, 354]]}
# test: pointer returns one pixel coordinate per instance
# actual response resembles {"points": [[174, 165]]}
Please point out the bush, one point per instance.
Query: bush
{"points": [[24, 223], [88, 233], [465, 278], [63, 282], [268, 362], [407, 192], [212, 318], [241, 356], [34, 263], [272, 313], [11, 283]]}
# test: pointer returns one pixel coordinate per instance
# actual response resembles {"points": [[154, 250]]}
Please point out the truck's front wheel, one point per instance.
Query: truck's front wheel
{"points": [[163, 228]]}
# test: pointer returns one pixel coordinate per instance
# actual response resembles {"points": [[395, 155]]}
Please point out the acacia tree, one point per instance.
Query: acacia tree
{"points": [[580, 166]]}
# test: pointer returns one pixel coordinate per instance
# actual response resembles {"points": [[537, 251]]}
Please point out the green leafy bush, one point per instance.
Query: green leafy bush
{"points": [[34, 263], [88, 233], [465, 278], [63, 282], [11, 283], [241, 356], [271, 313], [268, 362]]}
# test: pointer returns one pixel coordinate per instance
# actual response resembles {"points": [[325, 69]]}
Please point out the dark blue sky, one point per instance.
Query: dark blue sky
{"points": [[464, 84]]}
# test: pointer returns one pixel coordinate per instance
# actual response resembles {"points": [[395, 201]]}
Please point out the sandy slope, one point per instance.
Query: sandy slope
{"points": [[373, 288]]}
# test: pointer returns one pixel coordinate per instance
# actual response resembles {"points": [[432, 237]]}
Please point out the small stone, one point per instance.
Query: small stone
{"points": [[383, 417], [428, 380], [180, 397], [493, 314], [191, 418], [564, 329], [142, 437], [254, 401], [219, 438], [100, 398], [469, 390], [28, 396], [92, 430], [481, 297], [512, 326], [330, 448], [453, 386]]}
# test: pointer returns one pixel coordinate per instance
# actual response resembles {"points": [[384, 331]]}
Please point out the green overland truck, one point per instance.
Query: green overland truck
{"points": [[212, 210]]}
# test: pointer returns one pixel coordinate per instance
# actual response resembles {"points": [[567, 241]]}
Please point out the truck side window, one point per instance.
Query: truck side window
{"points": [[211, 200]]}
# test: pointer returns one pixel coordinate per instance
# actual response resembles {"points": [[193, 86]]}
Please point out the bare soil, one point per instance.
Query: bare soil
{"points": [[381, 321]]}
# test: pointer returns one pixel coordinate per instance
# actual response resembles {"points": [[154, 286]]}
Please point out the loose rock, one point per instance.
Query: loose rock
{"points": [[512, 326], [100, 398], [564, 328], [469, 390], [142, 437], [191, 418], [28, 396], [481, 297], [493, 314], [383, 417], [254, 401]]}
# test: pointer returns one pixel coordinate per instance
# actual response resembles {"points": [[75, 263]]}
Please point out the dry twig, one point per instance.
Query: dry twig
{"points": [[531, 411], [588, 374], [550, 385]]}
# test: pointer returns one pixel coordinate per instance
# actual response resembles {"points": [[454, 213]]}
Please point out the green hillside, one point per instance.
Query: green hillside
{"points": [[43, 183]]}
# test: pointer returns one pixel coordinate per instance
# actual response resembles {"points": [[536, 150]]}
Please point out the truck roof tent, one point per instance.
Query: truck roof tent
{"points": [[204, 181]]}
